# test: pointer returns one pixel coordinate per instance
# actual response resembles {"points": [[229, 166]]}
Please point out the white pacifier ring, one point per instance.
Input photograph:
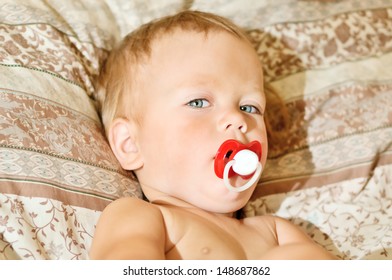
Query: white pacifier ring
{"points": [[244, 163]]}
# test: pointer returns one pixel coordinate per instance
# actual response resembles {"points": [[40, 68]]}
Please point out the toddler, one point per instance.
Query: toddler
{"points": [[182, 104]]}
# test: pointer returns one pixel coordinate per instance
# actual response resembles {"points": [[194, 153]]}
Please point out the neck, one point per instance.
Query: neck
{"points": [[167, 200]]}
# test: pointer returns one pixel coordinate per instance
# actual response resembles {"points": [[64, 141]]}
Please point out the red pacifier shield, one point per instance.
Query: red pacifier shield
{"points": [[228, 150]]}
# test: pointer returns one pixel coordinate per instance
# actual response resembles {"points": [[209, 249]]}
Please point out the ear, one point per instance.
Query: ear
{"points": [[122, 139]]}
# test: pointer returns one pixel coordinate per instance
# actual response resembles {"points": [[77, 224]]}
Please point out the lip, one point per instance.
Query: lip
{"points": [[228, 150]]}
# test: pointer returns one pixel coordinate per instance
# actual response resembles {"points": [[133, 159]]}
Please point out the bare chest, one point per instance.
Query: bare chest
{"points": [[190, 236]]}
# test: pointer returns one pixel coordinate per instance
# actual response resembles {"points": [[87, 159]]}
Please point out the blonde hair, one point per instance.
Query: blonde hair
{"points": [[118, 74]]}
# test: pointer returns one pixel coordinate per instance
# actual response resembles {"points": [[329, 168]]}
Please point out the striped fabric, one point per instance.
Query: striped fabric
{"points": [[57, 172], [329, 61]]}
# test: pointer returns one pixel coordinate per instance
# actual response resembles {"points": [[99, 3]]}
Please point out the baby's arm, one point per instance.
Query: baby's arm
{"points": [[293, 243], [129, 228]]}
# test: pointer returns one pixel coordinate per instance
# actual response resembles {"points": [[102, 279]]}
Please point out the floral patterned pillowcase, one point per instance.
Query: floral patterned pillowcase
{"points": [[333, 75], [330, 62], [330, 170], [57, 172], [327, 60]]}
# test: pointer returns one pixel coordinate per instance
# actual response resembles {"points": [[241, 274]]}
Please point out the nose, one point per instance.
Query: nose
{"points": [[233, 120]]}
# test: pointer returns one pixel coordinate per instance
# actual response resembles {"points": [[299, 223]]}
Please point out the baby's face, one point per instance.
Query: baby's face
{"points": [[196, 92]]}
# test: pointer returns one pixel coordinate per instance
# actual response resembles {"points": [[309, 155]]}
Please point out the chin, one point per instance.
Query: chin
{"points": [[228, 203], [226, 210]]}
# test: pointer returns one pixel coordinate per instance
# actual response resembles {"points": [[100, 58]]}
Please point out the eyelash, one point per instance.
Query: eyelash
{"points": [[201, 103], [244, 107], [193, 104]]}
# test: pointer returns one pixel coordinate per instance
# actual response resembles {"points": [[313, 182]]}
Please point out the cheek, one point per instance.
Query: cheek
{"points": [[171, 144], [193, 133], [154, 141], [262, 135], [190, 148], [265, 153], [265, 148]]}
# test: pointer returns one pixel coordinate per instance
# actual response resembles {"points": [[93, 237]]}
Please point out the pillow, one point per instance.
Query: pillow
{"points": [[57, 172], [328, 61], [330, 64]]}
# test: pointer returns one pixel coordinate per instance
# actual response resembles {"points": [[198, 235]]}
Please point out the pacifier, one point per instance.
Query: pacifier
{"points": [[234, 158]]}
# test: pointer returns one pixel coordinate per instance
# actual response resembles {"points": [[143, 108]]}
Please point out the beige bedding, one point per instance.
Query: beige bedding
{"points": [[330, 62]]}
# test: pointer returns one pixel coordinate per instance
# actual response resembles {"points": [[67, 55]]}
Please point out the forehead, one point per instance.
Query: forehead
{"points": [[205, 51], [189, 61], [194, 39]]}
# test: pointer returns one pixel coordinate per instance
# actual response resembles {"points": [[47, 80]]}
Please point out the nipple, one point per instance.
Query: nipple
{"points": [[234, 158]]}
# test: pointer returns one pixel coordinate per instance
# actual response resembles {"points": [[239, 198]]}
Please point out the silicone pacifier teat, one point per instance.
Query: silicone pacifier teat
{"points": [[234, 158], [245, 162]]}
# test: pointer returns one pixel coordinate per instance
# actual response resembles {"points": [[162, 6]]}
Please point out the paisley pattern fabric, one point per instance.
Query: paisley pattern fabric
{"points": [[57, 172], [328, 61]]}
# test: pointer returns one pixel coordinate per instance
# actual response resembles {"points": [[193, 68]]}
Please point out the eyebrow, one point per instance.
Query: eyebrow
{"points": [[259, 95]]}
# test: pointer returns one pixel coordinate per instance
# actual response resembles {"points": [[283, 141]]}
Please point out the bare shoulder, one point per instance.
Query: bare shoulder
{"points": [[283, 230], [126, 212], [292, 241], [126, 224], [288, 232], [129, 203]]}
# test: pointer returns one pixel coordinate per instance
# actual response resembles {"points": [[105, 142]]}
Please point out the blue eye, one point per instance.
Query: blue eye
{"points": [[249, 109], [198, 103]]}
